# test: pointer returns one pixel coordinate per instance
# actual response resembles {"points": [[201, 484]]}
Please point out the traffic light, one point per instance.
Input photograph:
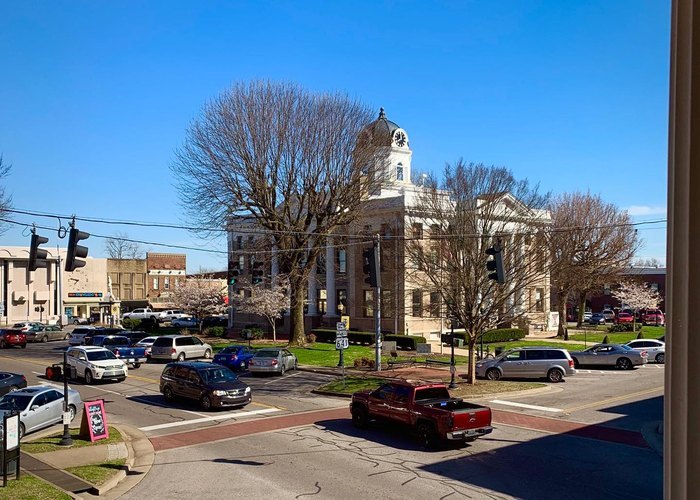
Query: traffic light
{"points": [[370, 267], [233, 271], [495, 265], [257, 273], [76, 251], [37, 256]]}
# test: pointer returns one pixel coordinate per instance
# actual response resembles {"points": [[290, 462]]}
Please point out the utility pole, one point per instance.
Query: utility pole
{"points": [[377, 310]]}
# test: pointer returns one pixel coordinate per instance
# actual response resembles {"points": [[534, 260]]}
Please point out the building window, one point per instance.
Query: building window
{"points": [[239, 242], [417, 231], [368, 304], [387, 303], [250, 241], [342, 261], [539, 299], [155, 283], [435, 304], [399, 172], [321, 264], [655, 287], [342, 302], [166, 283], [241, 263], [321, 301], [418, 303], [606, 289]]}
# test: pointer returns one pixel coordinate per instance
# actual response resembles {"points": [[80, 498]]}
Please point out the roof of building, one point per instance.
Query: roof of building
{"points": [[381, 130]]}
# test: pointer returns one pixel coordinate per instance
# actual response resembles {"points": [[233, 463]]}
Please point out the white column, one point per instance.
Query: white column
{"points": [[313, 287], [331, 306]]}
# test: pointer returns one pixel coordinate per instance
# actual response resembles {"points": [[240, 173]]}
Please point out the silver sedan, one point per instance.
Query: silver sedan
{"points": [[39, 406], [621, 356], [656, 349], [272, 360], [44, 333]]}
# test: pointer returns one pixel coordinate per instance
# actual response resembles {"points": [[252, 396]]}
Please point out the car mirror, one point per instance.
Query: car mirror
{"points": [[34, 407]]}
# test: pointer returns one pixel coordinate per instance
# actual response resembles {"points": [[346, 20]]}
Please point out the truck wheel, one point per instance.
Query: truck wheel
{"points": [[360, 418], [554, 375], [88, 377], [493, 374], [426, 435]]}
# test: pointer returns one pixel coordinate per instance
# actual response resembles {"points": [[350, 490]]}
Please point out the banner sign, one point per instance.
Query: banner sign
{"points": [[94, 422], [85, 294]]}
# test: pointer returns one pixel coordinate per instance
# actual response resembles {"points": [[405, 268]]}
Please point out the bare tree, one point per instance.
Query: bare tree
{"points": [[5, 199], [475, 208], [285, 158], [591, 243], [120, 247], [649, 262], [270, 303]]}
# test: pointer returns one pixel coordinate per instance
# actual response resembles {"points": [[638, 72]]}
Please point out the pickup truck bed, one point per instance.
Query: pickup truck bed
{"points": [[426, 408], [120, 346]]}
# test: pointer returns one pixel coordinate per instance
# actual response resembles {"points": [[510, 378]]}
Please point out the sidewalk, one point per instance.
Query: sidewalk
{"points": [[136, 450]]}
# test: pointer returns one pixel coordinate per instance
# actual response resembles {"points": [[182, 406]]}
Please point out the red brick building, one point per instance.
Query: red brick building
{"points": [[164, 273]]}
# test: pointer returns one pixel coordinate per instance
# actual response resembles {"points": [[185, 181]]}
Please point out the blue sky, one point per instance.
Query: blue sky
{"points": [[96, 96]]}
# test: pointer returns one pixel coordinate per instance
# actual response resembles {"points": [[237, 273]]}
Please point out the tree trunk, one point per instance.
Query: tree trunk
{"points": [[563, 331], [471, 371], [297, 335], [581, 309]]}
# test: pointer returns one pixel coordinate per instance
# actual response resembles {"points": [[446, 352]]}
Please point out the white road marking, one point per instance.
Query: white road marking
{"points": [[523, 405], [208, 419], [282, 378], [137, 398]]}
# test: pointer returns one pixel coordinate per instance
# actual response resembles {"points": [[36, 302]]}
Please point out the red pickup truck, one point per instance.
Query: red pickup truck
{"points": [[426, 407]]}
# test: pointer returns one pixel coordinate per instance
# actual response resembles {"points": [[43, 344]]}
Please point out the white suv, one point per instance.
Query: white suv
{"points": [[96, 363]]}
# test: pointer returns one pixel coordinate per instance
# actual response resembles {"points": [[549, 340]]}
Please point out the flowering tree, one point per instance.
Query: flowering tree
{"points": [[267, 302], [637, 296], [200, 296]]}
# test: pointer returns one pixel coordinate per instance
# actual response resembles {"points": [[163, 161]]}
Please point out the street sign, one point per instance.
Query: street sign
{"points": [[341, 328], [341, 343]]}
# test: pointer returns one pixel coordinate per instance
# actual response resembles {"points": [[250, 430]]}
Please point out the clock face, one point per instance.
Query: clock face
{"points": [[400, 138]]}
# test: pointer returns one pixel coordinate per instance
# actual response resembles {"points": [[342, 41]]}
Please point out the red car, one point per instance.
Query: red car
{"points": [[653, 317], [624, 317], [10, 337]]}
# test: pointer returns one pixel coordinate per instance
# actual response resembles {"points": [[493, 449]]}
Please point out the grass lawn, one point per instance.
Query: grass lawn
{"points": [[98, 473], [649, 332], [51, 443], [29, 486], [463, 390]]}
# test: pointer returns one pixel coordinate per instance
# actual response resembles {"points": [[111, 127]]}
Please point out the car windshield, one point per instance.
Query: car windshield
{"points": [[216, 375], [147, 340], [100, 355], [267, 353], [14, 401], [232, 349]]}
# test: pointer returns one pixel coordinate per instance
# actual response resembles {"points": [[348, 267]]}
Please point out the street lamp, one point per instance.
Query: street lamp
{"points": [[66, 440]]}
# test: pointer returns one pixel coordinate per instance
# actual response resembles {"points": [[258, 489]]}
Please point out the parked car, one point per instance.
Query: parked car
{"points": [[134, 336], [528, 362], [77, 320], [39, 406], [272, 360], [10, 337], [46, 333], [100, 330], [656, 349], [146, 343], [78, 334], [122, 349], [172, 314], [609, 314], [180, 347], [653, 317], [10, 382], [587, 315], [426, 408], [142, 313], [185, 322], [596, 319], [235, 357], [220, 320], [96, 363], [25, 326], [621, 356], [214, 386], [624, 317]]}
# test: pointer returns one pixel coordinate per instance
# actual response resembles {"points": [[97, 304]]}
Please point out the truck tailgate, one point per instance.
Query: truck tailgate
{"points": [[472, 418]]}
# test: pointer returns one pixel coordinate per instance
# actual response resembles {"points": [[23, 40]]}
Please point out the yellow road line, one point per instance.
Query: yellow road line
{"points": [[33, 361], [612, 400], [142, 379]]}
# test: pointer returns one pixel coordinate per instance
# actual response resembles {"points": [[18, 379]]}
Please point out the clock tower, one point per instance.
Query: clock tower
{"points": [[392, 140]]}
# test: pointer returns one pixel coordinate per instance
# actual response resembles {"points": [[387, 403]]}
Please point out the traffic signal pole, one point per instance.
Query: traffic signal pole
{"points": [[377, 310]]}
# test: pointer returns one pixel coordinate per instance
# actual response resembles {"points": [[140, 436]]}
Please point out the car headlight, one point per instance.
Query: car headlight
{"points": [[247, 390], [219, 393]]}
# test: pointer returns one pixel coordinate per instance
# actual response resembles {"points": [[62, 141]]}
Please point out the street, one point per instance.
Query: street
{"points": [[578, 439]]}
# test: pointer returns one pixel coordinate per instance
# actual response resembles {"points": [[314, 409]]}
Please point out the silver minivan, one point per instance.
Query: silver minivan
{"points": [[528, 362], [180, 348]]}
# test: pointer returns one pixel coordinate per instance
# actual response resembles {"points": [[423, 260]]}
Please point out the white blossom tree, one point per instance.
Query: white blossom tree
{"points": [[269, 303], [637, 296], [200, 296]]}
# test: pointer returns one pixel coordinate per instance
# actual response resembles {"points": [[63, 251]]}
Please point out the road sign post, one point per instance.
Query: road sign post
{"points": [[341, 343]]}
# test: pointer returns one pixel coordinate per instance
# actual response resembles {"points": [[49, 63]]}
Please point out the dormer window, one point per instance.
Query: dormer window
{"points": [[399, 172]]}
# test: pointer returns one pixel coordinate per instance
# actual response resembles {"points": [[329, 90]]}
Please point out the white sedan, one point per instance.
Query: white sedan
{"points": [[655, 348]]}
